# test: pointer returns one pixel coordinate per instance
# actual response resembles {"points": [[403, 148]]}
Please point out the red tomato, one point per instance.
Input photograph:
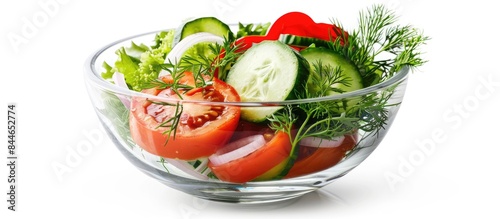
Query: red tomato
{"points": [[247, 168], [245, 129], [202, 129], [311, 159]]}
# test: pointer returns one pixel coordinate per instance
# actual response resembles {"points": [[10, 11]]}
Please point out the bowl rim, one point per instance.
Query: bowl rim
{"points": [[92, 76]]}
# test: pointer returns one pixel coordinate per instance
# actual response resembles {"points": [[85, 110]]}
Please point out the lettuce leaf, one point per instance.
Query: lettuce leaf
{"points": [[140, 64]]}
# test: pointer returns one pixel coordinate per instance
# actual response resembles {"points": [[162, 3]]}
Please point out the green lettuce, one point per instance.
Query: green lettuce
{"points": [[141, 64]]}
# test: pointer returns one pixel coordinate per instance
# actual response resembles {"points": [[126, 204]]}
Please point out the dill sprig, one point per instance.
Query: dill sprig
{"points": [[228, 55], [176, 73], [380, 47], [173, 122], [327, 127], [326, 79], [219, 66]]}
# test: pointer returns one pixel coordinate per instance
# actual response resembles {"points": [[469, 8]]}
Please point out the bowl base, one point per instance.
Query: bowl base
{"points": [[253, 195]]}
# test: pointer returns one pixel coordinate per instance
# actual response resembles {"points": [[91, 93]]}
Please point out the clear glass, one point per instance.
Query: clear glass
{"points": [[107, 100]]}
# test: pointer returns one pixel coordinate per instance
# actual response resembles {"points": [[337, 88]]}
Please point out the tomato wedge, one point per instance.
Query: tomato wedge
{"points": [[313, 159], [275, 150], [201, 129]]}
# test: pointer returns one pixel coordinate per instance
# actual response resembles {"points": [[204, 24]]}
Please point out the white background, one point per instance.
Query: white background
{"points": [[449, 104]]}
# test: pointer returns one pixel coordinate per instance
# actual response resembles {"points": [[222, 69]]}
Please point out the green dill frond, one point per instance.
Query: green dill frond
{"points": [[378, 46]]}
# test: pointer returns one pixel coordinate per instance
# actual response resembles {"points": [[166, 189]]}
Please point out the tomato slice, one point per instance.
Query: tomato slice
{"points": [[275, 151], [312, 159], [202, 128]]}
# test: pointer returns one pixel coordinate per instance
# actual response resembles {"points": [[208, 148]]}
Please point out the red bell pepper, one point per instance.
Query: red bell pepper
{"points": [[295, 23]]}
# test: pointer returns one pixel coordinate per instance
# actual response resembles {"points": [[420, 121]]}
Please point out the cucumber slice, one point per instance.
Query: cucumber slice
{"points": [[268, 71], [328, 57], [204, 24]]}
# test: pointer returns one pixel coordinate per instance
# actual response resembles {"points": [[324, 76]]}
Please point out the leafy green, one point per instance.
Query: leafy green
{"points": [[141, 64], [252, 29], [108, 73]]}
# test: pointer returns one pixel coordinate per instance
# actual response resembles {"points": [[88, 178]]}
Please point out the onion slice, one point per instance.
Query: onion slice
{"points": [[186, 168], [174, 56], [322, 143], [237, 149], [119, 80]]}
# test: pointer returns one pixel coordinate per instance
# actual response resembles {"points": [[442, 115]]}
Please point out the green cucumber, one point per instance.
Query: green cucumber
{"points": [[268, 71], [204, 24], [328, 57], [299, 41]]}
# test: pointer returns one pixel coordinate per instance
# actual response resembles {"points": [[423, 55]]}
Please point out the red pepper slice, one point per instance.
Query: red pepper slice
{"points": [[290, 23], [300, 24], [295, 23], [246, 42]]}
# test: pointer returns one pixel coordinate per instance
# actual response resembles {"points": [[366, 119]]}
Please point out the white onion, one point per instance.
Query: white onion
{"points": [[119, 80], [176, 53], [202, 166], [186, 168], [322, 143], [237, 149]]}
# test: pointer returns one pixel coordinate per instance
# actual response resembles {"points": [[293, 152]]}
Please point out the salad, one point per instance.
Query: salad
{"points": [[193, 74]]}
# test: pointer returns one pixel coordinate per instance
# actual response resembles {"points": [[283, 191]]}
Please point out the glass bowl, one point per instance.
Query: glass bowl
{"points": [[112, 103]]}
